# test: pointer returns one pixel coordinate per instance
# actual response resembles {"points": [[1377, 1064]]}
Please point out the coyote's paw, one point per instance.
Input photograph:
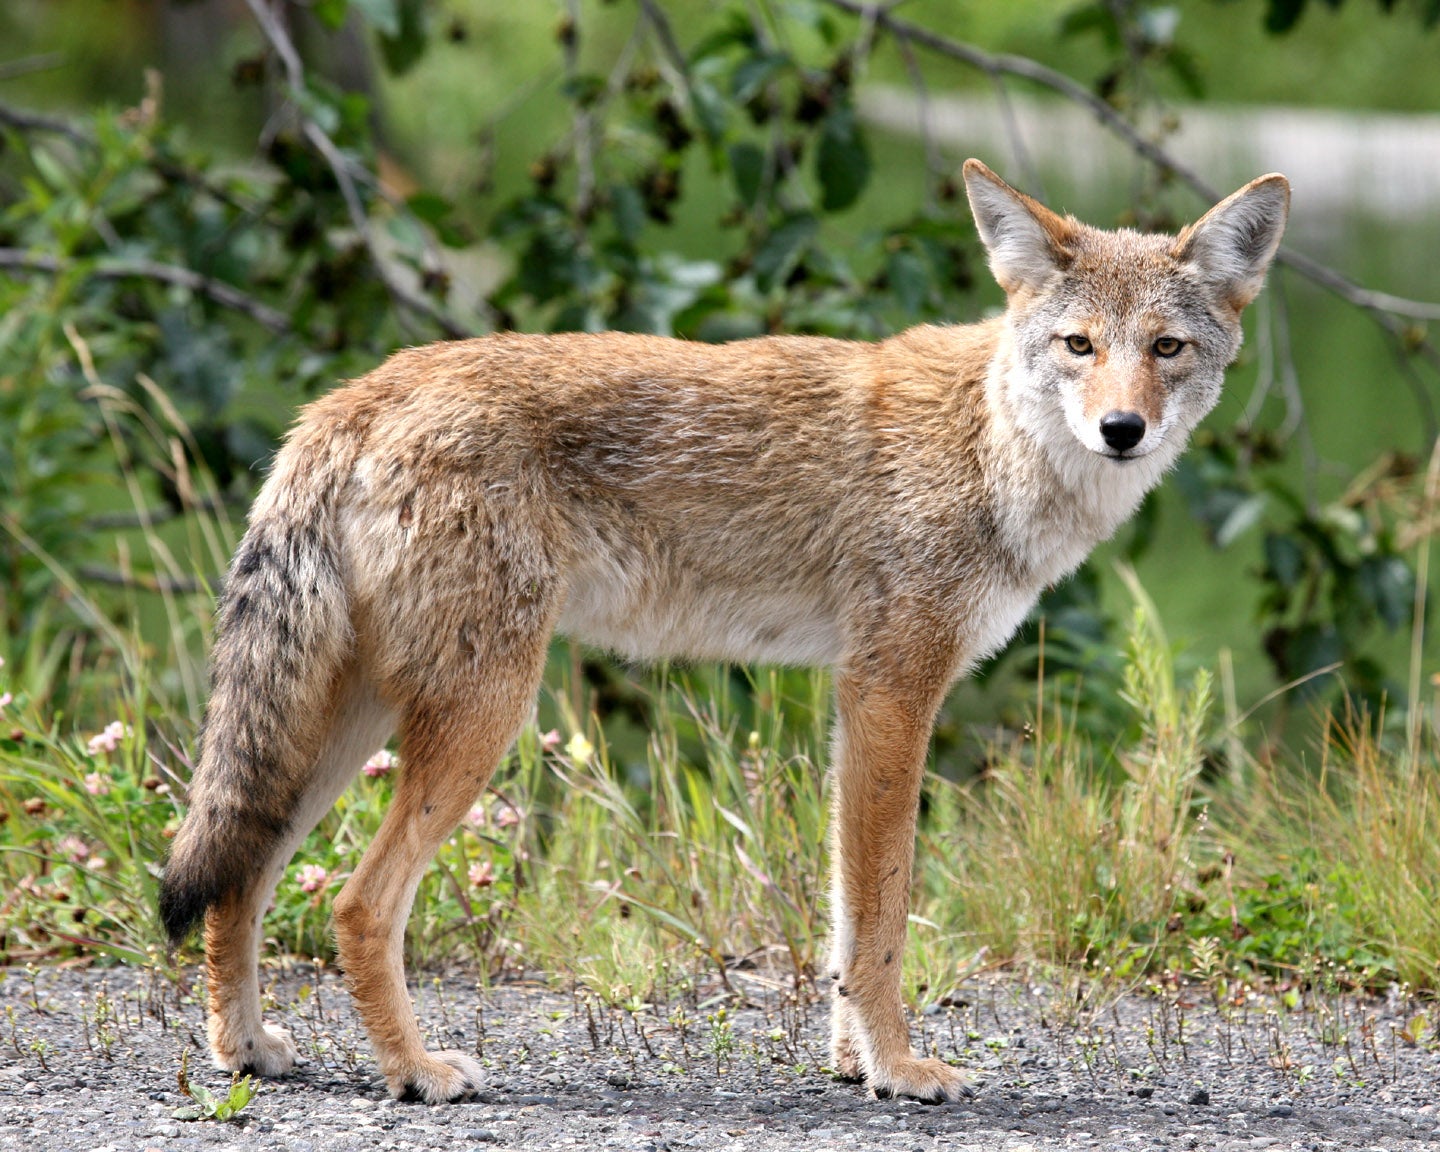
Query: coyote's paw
{"points": [[437, 1078], [845, 1060], [844, 1049], [928, 1080], [269, 1052]]}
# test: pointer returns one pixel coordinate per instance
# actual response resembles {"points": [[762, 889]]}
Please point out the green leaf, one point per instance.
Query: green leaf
{"points": [[754, 72], [403, 48], [436, 211], [1282, 15], [747, 169], [842, 161], [782, 250], [1240, 519], [1311, 647], [1186, 69], [711, 110], [736, 31], [584, 89], [627, 207], [908, 275], [430, 207], [332, 12], [1091, 18], [1284, 559], [1388, 585], [382, 15]]}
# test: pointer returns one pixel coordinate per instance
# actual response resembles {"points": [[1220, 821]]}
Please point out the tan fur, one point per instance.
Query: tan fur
{"points": [[891, 509]]}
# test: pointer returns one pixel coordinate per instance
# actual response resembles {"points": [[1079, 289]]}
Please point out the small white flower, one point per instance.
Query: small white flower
{"points": [[580, 749]]}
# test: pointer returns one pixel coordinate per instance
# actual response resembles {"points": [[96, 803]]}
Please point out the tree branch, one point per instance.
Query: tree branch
{"points": [[113, 269], [1385, 309], [34, 122], [94, 574], [344, 169]]}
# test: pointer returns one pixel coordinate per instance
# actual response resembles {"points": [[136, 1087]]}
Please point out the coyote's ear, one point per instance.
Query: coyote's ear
{"points": [[1027, 242], [1232, 245]]}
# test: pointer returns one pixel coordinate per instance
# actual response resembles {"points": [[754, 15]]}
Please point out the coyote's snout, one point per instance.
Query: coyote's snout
{"points": [[891, 510]]}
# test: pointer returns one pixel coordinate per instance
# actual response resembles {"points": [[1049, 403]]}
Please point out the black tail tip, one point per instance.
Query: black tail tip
{"points": [[182, 906]]}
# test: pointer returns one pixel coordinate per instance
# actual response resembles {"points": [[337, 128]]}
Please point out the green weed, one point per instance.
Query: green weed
{"points": [[208, 1105]]}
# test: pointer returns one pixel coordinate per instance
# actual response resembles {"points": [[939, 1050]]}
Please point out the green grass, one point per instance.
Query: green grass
{"points": [[1126, 858]]}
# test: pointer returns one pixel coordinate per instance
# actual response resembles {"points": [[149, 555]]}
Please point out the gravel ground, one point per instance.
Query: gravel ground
{"points": [[90, 1061]]}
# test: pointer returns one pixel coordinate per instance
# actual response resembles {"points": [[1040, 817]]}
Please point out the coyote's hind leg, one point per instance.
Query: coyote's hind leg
{"points": [[239, 1040], [450, 746]]}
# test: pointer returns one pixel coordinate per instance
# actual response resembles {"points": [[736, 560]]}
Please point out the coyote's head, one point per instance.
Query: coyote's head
{"points": [[1125, 334]]}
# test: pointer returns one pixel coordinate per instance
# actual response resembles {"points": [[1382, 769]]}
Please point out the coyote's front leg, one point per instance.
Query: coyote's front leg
{"points": [[884, 729]]}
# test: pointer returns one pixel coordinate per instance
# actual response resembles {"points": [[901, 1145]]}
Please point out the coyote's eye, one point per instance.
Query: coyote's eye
{"points": [[1168, 346], [1080, 345]]}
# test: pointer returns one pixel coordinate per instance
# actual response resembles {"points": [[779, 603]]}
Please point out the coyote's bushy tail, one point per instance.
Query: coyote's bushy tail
{"points": [[282, 636]]}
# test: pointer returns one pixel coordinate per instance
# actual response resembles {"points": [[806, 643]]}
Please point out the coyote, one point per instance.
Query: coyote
{"points": [[891, 510]]}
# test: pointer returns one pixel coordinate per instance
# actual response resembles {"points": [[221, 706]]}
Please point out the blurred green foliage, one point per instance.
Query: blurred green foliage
{"points": [[212, 296]]}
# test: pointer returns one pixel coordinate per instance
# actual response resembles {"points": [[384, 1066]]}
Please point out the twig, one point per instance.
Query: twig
{"points": [[584, 121], [145, 517], [1028, 171], [180, 586], [112, 269], [1296, 422], [669, 46], [1368, 298], [28, 64], [34, 122], [1384, 308], [934, 163], [344, 171], [164, 168]]}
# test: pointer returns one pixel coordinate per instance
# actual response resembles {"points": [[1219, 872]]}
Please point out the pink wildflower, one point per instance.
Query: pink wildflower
{"points": [[381, 763], [482, 875], [5, 699], [313, 878], [74, 849], [506, 816], [97, 784], [477, 817], [108, 740], [550, 740]]}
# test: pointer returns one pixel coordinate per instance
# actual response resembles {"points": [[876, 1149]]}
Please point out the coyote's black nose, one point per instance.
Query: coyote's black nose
{"points": [[1122, 430]]}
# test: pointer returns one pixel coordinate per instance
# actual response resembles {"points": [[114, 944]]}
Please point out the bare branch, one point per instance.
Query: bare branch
{"points": [[113, 269], [1367, 298], [344, 170], [934, 163], [584, 133], [148, 517], [1385, 309], [34, 122], [28, 64], [93, 574], [669, 46]]}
